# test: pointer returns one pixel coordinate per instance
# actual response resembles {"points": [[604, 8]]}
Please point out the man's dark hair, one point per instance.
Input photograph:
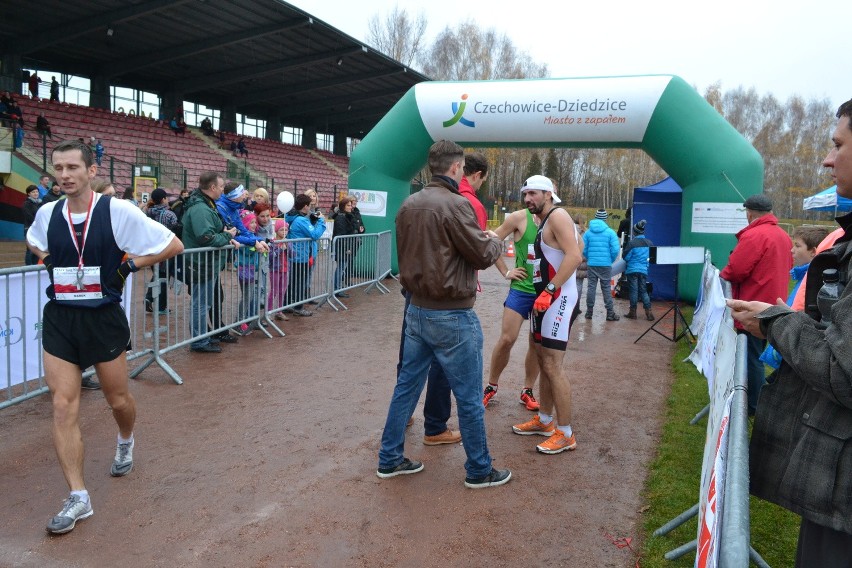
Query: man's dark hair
{"points": [[475, 162], [300, 201], [44, 175], [846, 110], [207, 180], [442, 155], [69, 145]]}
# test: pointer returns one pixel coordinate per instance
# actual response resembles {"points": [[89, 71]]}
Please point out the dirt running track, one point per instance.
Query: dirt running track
{"points": [[266, 456]]}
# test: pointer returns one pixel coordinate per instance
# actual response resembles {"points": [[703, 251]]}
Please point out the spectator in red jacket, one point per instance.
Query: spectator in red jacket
{"points": [[758, 270]]}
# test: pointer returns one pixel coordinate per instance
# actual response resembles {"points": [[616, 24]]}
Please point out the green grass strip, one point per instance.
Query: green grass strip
{"points": [[675, 474]]}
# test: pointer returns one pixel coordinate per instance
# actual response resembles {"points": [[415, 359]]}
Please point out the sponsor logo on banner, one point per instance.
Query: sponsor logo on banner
{"points": [[458, 111], [371, 203], [614, 109]]}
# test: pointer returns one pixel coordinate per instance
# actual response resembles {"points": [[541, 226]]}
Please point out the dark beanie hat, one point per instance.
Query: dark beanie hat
{"points": [[639, 227], [601, 214], [158, 195]]}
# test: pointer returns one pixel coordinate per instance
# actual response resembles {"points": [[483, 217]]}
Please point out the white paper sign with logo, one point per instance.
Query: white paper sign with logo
{"points": [[371, 203], [571, 110]]}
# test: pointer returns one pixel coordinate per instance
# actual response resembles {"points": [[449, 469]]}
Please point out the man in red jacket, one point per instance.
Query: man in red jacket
{"points": [[759, 269]]}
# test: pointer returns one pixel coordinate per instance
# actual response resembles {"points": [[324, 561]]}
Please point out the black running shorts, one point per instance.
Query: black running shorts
{"points": [[85, 336]]}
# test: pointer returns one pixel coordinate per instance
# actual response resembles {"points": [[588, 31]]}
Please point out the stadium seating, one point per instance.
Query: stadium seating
{"points": [[291, 167]]}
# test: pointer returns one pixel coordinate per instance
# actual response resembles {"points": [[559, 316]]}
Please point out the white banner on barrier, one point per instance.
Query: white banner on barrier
{"points": [[705, 325], [712, 498], [26, 293]]}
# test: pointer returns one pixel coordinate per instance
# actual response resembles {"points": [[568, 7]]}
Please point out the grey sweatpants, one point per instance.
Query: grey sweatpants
{"points": [[596, 273]]}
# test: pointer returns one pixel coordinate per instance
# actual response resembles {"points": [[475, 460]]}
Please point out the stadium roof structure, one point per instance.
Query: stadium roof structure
{"points": [[258, 57]]}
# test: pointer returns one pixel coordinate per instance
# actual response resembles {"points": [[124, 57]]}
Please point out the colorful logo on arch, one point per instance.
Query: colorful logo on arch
{"points": [[458, 111]]}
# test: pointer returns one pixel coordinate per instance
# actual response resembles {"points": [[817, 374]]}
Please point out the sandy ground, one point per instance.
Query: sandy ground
{"points": [[266, 456]]}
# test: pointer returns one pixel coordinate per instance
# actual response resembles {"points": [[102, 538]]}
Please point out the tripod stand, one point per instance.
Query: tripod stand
{"points": [[677, 315]]}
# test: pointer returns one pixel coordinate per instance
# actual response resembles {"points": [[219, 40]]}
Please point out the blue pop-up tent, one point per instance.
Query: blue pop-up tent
{"points": [[660, 205], [827, 200]]}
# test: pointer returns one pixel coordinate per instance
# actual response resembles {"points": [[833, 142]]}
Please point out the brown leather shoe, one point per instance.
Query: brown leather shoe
{"points": [[448, 436]]}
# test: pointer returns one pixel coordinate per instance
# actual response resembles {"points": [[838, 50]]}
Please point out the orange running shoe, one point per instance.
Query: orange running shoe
{"points": [[488, 395], [528, 400], [558, 442], [534, 426]]}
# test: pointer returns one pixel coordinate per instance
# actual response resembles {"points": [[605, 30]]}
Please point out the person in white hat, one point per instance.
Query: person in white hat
{"points": [[557, 254]]}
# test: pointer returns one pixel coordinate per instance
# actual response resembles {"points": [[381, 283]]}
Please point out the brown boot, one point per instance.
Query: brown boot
{"points": [[648, 315], [631, 315]]}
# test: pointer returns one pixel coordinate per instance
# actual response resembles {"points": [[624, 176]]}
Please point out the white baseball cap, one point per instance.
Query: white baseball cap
{"points": [[540, 183]]}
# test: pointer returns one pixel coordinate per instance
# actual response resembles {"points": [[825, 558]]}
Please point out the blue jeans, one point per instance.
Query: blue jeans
{"points": [[438, 405], [452, 339], [755, 371], [638, 287], [203, 298], [340, 271], [602, 273]]}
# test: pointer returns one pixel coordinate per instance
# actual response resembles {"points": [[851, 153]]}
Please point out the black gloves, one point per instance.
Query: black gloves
{"points": [[120, 276]]}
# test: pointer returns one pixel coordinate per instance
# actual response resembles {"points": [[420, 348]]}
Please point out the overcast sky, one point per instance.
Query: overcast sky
{"points": [[783, 47]]}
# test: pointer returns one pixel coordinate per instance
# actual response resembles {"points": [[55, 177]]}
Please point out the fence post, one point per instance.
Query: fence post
{"points": [[43, 152]]}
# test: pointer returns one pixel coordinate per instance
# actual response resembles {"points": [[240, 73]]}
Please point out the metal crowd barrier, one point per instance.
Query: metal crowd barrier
{"points": [[244, 297], [360, 261]]}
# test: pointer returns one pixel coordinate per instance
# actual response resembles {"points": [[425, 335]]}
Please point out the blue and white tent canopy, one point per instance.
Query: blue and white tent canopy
{"points": [[827, 200]]}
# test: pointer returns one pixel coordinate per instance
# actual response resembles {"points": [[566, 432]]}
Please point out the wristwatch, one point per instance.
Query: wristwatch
{"points": [[550, 288]]}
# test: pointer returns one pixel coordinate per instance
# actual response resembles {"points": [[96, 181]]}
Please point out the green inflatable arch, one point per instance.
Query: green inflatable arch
{"points": [[661, 114]]}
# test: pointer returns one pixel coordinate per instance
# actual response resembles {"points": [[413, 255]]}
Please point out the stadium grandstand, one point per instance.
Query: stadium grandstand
{"points": [[298, 92]]}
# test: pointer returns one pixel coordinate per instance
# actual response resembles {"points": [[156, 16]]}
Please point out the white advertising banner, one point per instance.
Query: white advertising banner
{"points": [[706, 324], [712, 498], [718, 218], [602, 109], [20, 324], [371, 203]]}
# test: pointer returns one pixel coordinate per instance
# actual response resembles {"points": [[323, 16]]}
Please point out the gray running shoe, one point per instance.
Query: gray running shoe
{"points": [[90, 384], [303, 312], [123, 460], [405, 467], [73, 510], [493, 479]]}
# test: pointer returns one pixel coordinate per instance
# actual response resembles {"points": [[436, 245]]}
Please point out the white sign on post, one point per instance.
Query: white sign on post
{"points": [[719, 218]]}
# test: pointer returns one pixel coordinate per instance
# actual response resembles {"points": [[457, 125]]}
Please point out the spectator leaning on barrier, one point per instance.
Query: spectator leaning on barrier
{"points": [[83, 241], [758, 269], [303, 225], [203, 227], [800, 453], [158, 210]]}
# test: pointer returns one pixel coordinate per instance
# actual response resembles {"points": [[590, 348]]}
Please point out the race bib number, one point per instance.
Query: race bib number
{"points": [[72, 283], [535, 263]]}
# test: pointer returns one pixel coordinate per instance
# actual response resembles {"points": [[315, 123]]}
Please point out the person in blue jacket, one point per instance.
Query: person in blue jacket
{"points": [[303, 225], [600, 249], [636, 255], [229, 206]]}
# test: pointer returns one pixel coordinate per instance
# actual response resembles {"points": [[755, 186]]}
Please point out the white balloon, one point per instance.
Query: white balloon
{"points": [[285, 202]]}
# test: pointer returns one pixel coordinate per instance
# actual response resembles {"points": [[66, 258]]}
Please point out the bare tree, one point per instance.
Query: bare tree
{"points": [[469, 53], [398, 35]]}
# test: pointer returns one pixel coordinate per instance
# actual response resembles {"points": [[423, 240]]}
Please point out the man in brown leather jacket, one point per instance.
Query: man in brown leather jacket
{"points": [[440, 247]]}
